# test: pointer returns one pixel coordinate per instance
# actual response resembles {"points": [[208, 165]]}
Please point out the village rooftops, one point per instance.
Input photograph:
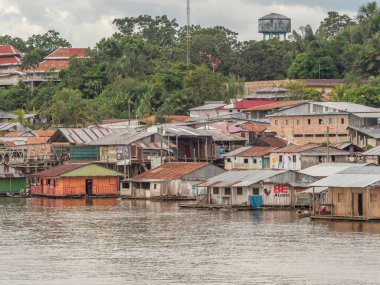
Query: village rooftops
{"points": [[327, 169], [322, 151], [180, 131], [349, 181], [79, 135], [77, 170], [275, 106], [6, 50], [243, 178], [170, 171], [247, 104], [295, 148], [209, 106], [270, 141], [329, 108], [373, 132], [254, 151], [372, 152], [221, 136], [168, 119]]}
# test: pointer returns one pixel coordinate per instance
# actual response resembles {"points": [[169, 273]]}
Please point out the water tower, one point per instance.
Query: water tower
{"points": [[274, 26]]}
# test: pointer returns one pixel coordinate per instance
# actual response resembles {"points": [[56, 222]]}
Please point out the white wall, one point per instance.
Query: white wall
{"points": [[238, 163], [287, 161]]}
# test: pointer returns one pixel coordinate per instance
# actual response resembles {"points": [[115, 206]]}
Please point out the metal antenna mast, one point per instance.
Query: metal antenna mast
{"points": [[188, 33]]}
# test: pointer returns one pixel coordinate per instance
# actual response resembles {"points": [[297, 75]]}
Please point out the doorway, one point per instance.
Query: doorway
{"points": [[357, 204], [360, 204], [88, 187]]}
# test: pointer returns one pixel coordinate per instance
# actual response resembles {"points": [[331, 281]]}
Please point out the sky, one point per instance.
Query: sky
{"points": [[84, 22]]}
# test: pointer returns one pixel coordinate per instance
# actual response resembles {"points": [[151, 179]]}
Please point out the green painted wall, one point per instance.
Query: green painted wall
{"points": [[12, 185], [91, 170]]}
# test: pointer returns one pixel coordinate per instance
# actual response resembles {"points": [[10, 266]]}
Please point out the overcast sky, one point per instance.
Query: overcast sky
{"points": [[85, 22]]}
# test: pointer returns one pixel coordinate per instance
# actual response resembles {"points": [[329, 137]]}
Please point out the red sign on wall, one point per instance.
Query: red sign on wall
{"points": [[280, 189]]}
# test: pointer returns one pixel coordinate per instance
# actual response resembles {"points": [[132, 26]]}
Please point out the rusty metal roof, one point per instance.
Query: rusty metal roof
{"points": [[296, 148], [170, 171], [256, 151], [254, 128], [274, 106], [59, 170], [270, 141]]}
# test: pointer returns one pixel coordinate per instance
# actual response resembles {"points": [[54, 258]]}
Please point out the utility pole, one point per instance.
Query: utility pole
{"points": [[328, 144], [188, 33]]}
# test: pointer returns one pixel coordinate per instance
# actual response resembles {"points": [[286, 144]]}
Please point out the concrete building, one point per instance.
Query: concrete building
{"points": [[10, 65], [319, 122], [248, 158]]}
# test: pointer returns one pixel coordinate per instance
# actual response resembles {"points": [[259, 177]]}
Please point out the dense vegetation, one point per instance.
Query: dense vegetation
{"points": [[143, 66]]}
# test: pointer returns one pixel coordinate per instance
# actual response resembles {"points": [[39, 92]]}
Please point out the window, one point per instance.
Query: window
{"points": [[228, 159], [309, 121], [280, 158], [342, 121], [215, 190], [125, 185], [255, 161], [287, 122], [320, 121], [333, 158], [373, 198], [154, 186], [330, 121], [256, 191], [227, 191], [294, 158], [245, 160], [320, 158], [298, 122], [340, 197], [276, 122], [239, 191]]}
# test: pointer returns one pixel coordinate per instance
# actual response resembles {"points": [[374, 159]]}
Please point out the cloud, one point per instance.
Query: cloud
{"points": [[85, 22]]}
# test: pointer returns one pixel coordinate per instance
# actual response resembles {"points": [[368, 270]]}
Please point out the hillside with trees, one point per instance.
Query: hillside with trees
{"points": [[143, 66]]}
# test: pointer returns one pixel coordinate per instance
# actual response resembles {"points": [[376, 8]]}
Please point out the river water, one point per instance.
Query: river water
{"points": [[111, 241]]}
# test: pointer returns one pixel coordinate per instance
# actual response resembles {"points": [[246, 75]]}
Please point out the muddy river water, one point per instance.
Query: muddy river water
{"points": [[112, 241]]}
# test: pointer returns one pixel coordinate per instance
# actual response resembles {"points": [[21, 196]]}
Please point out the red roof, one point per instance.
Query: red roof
{"points": [[245, 104], [43, 133], [67, 53], [8, 60], [52, 64], [256, 151], [274, 106], [8, 49], [37, 140], [171, 171]]}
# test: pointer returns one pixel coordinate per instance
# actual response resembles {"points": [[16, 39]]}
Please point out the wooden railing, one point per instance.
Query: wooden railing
{"points": [[73, 191]]}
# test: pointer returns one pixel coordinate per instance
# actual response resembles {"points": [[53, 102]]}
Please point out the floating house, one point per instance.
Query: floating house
{"points": [[76, 179], [170, 179], [352, 194], [12, 181], [275, 188]]}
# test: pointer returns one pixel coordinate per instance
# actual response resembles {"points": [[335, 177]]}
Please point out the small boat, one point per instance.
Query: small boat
{"points": [[303, 213]]}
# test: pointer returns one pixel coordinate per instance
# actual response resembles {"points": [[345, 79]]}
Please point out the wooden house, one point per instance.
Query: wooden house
{"points": [[289, 157], [352, 194], [171, 179], [248, 158], [11, 180], [76, 179]]}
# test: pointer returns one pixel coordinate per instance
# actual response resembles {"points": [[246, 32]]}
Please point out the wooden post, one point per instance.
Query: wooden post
{"points": [[332, 201], [313, 201], [352, 206], [368, 203], [176, 143], [198, 150], [161, 144], [169, 148], [206, 150]]}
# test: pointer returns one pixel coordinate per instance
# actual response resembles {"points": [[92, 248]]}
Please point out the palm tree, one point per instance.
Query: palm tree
{"points": [[369, 18]]}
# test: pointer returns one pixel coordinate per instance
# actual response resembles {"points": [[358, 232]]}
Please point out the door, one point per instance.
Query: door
{"points": [[360, 204], [89, 187]]}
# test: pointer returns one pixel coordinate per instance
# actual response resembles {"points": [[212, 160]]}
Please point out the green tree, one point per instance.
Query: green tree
{"points": [[333, 25]]}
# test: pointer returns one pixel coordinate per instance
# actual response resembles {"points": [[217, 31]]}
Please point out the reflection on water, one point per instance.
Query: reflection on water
{"points": [[111, 241]]}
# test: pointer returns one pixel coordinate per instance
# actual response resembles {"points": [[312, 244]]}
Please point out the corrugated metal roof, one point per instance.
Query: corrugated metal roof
{"points": [[270, 141], [170, 171], [236, 151], [371, 132], [317, 190], [327, 169], [369, 169], [67, 170], [274, 106], [82, 135], [296, 148], [183, 131], [240, 178], [348, 180], [254, 128], [120, 139], [322, 151], [220, 136], [348, 107], [372, 152], [208, 107]]}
